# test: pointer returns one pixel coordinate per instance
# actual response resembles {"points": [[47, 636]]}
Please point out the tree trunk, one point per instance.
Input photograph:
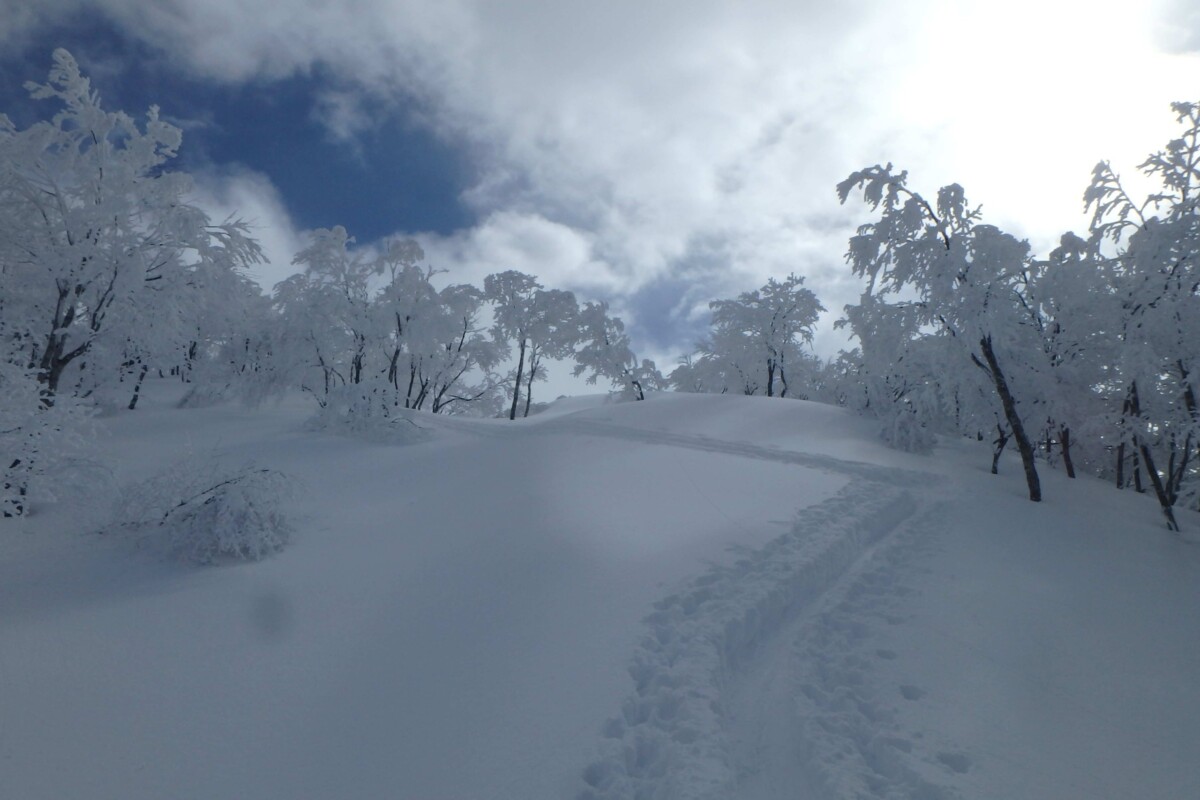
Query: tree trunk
{"points": [[412, 381], [393, 375], [1001, 441], [1121, 465], [1014, 420], [534, 360], [137, 387], [14, 507], [1133, 407], [1178, 475], [1160, 491], [770, 378], [1065, 439], [512, 413]]}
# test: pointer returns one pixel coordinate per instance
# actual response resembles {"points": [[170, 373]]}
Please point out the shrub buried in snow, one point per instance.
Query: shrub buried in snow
{"points": [[207, 513]]}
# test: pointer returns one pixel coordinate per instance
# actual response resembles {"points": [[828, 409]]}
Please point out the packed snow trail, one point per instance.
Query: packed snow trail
{"points": [[805, 720], [988, 648], [821, 699], [672, 737], [669, 739]]}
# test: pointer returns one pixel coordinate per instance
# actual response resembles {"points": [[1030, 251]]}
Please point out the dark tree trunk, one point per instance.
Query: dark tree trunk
{"points": [[770, 378], [1001, 441], [1014, 420], [1064, 438], [1133, 408], [534, 360], [1121, 465], [56, 357], [1178, 475], [422, 394], [189, 361], [512, 412], [137, 387], [16, 507], [412, 381], [1160, 491], [393, 375]]}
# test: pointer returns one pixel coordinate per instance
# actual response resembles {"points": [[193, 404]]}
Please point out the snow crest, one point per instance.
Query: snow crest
{"points": [[671, 738]]}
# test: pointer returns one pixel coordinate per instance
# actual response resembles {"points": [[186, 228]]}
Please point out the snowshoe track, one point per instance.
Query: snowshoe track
{"points": [[817, 716], [671, 738]]}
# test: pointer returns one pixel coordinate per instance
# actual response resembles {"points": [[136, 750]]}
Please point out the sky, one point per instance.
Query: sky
{"points": [[654, 155]]}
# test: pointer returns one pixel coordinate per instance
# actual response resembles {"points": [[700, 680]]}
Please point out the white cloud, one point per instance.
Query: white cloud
{"points": [[251, 197], [628, 146], [561, 256]]}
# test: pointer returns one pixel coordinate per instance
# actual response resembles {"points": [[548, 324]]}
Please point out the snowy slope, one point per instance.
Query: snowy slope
{"points": [[694, 596]]}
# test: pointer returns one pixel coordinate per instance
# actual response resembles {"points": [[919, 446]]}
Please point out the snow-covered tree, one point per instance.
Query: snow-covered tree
{"points": [[605, 352], [338, 280], [98, 246], [725, 361], [778, 320], [541, 322], [439, 356], [1151, 252], [967, 280], [895, 372], [460, 366], [371, 334], [106, 271], [756, 344], [207, 512], [44, 449]]}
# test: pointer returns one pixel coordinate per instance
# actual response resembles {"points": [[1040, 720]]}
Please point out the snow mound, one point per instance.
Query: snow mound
{"points": [[206, 513]]}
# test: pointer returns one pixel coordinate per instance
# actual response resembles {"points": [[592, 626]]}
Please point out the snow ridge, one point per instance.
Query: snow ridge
{"points": [[858, 469], [671, 740]]}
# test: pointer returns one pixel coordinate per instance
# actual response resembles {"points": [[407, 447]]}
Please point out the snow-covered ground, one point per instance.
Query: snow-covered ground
{"points": [[695, 596]]}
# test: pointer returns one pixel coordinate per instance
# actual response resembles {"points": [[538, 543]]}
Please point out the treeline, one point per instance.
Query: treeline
{"points": [[1085, 358], [108, 274]]}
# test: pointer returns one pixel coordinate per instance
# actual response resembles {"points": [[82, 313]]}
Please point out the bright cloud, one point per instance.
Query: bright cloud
{"points": [[677, 152], [250, 197]]}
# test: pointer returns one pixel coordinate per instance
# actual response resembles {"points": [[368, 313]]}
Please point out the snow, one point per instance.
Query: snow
{"points": [[694, 596]]}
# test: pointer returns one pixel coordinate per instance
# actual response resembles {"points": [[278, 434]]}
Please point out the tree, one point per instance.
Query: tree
{"points": [[94, 230], [756, 342], [777, 319], [1150, 251], [968, 279], [605, 352], [435, 343], [541, 322], [373, 334], [461, 350], [896, 371], [41, 446], [340, 281]]}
